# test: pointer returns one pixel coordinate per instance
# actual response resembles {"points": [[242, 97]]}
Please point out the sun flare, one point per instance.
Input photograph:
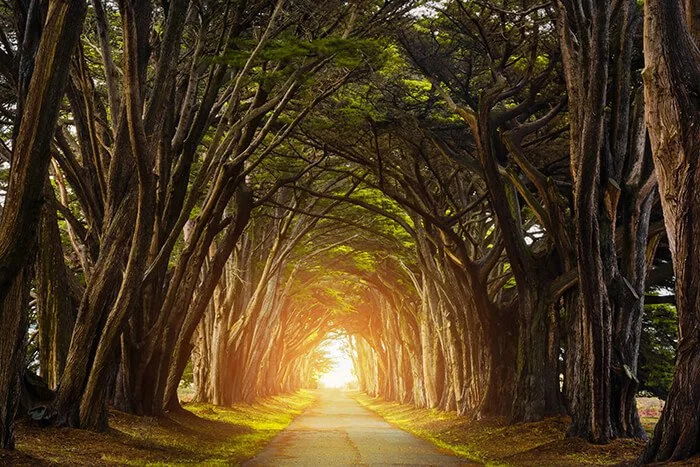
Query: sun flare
{"points": [[342, 372]]}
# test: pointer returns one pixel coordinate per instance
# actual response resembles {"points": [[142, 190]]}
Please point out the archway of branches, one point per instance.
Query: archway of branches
{"points": [[233, 186]]}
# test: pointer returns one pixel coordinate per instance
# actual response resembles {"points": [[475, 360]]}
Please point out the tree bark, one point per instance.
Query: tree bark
{"points": [[20, 220], [12, 350], [93, 404], [56, 294], [122, 199], [672, 95], [585, 52]]}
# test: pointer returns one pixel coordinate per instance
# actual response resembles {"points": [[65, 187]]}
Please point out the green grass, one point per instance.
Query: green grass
{"points": [[202, 434], [492, 441], [259, 422]]}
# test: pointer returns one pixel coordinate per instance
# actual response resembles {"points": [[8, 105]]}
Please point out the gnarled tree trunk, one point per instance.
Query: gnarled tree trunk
{"points": [[672, 94]]}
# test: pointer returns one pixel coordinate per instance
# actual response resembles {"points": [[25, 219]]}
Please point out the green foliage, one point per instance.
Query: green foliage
{"points": [[344, 52], [658, 349], [187, 375], [365, 261]]}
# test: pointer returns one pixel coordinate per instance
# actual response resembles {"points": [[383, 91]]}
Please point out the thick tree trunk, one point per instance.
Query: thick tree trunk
{"points": [[672, 90], [592, 418], [613, 185], [625, 232], [20, 220], [92, 357], [585, 53], [93, 404], [537, 393], [501, 340], [522, 390]]}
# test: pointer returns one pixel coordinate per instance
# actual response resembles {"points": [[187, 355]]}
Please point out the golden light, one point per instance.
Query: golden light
{"points": [[342, 373]]}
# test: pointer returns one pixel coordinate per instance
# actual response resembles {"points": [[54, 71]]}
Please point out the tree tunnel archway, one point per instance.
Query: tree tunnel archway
{"points": [[232, 190]]}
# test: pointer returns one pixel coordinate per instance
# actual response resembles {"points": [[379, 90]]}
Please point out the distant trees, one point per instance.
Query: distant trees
{"points": [[245, 345], [657, 349]]}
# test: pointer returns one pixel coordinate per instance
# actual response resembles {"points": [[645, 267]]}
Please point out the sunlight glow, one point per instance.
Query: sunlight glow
{"points": [[342, 373]]}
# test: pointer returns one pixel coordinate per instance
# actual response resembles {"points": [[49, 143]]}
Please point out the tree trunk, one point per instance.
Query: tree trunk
{"points": [[672, 90], [12, 350], [56, 301], [429, 346], [93, 404], [585, 54], [537, 393], [501, 340], [20, 220], [628, 309], [95, 304]]}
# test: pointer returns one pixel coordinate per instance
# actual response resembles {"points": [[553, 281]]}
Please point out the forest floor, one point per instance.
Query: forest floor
{"points": [[203, 434], [212, 435], [492, 442]]}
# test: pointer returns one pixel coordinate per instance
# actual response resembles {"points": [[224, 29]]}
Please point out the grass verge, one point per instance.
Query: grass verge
{"points": [[492, 442], [202, 434]]}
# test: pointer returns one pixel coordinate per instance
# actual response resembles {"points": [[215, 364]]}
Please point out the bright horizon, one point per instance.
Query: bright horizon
{"points": [[342, 372]]}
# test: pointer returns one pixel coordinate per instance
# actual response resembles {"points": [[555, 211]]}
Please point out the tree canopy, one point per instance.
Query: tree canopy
{"points": [[492, 201]]}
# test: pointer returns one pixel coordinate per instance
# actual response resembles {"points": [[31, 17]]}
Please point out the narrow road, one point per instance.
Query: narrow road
{"points": [[337, 430]]}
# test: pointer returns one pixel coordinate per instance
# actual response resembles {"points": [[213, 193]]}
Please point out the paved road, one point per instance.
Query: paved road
{"points": [[336, 430]]}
